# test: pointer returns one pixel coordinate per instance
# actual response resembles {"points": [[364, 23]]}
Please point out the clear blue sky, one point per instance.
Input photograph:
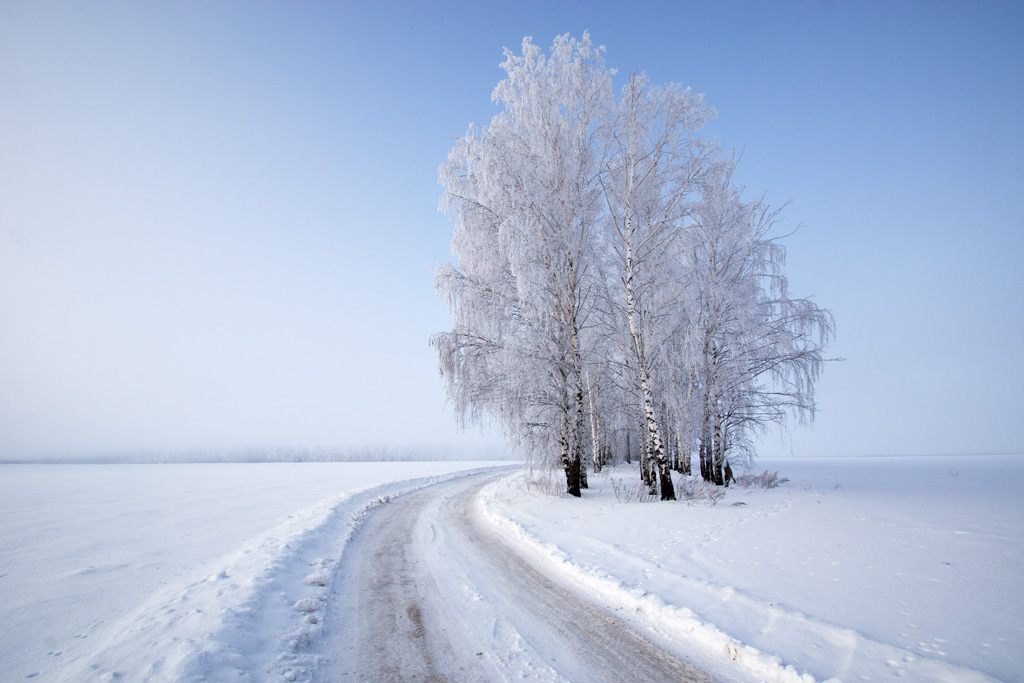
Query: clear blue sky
{"points": [[218, 220]]}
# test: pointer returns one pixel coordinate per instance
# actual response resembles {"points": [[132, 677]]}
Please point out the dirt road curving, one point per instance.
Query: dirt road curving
{"points": [[427, 591]]}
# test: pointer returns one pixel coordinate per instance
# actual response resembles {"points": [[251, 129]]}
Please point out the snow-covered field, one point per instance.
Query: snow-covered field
{"points": [[857, 569], [174, 572]]}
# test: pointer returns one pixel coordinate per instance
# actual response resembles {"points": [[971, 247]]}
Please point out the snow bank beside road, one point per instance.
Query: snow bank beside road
{"points": [[177, 572], [859, 568]]}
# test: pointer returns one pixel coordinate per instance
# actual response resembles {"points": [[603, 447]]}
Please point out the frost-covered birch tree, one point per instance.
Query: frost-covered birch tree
{"points": [[530, 178], [652, 164], [761, 350], [611, 291]]}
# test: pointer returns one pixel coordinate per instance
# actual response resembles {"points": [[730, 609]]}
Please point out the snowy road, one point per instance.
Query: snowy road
{"points": [[428, 592]]}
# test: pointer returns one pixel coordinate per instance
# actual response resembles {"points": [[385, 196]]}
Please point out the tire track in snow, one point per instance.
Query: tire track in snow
{"points": [[428, 591]]}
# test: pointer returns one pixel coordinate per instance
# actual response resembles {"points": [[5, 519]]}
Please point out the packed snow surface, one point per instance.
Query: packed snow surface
{"points": [[176, 572], [855, 569]]}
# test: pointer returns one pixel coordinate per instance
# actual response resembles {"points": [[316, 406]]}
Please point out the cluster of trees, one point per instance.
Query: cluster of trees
{"points": [[614, 296]]}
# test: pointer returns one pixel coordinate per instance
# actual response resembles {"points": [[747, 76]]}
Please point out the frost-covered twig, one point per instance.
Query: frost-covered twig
{"points": [[637, 492], [765, 480], [696, 491]]}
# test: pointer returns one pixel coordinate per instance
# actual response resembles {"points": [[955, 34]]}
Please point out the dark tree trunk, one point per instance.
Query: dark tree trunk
{"points": [[668, 489], [648, 468], [705, 443], [682, 454], [577, 423], [570, 463], [645, 472], [572, 478], [659, 463], [705, 470], [719, 453], [577, 477]]}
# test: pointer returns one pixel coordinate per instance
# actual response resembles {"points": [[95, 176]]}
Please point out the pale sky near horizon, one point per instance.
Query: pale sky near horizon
{"points": [[218, 221]]}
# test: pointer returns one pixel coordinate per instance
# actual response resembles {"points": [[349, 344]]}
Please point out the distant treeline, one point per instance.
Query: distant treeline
{"points": [[365, 454]]}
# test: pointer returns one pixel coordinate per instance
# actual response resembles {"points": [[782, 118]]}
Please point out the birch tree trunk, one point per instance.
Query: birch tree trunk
{"points": [[595, 425], [705, 436], [652, 438], [719, 450]]}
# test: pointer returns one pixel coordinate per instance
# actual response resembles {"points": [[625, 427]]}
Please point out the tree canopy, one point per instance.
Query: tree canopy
{"points": [[612, 291]]}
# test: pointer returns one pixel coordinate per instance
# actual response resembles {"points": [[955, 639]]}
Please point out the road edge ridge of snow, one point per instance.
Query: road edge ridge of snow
{"points": [[717, 650], [298, 661]]}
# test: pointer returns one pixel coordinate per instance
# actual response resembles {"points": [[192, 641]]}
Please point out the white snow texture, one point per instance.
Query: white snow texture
{"points": [[178, 572], [856, 569]]}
